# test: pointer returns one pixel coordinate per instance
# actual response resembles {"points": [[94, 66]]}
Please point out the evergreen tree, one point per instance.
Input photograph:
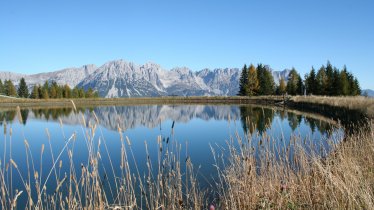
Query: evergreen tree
{"points": [[252, 83], [355, 90], [321, 80], [53, 90], [266, 81], [89, 93], [35, 92], [1, 87], [336, 83], [66, 93], [300, 86], [81, 93], [243, 81], [344, 83], [311, 82], [293, 83], [9, 88], [75, 92], [329, 86], [282, 87], [23, 91], [44, 93]]}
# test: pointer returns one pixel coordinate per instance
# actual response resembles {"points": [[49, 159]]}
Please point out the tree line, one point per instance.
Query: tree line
{"points": [[329, 80], [45, 91]]}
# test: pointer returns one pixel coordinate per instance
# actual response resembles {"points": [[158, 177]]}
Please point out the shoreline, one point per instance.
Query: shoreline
{"points": [[305, 103]]}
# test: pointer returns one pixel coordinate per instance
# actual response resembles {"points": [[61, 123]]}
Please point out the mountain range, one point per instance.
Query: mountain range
{"points": [[120, 78], [368, 92]]}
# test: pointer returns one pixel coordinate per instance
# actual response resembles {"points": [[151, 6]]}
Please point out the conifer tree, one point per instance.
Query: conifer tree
{"points": [[66, 91], [9, 88], [344, 83], [1, 87], [23, 91], [329, 86], [293, 83], [35, 92], [282, 87], [243, 81], [336, 83], [266, 81], [321, 80], [252, 83], [311, 82]]}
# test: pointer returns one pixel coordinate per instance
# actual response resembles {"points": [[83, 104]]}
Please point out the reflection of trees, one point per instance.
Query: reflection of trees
{"points": [[24, 115], [294, 120], [323, 127], [7, 116], [52, 113], [256, 118]]}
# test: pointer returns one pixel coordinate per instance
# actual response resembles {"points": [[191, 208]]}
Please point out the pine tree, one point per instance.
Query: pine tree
{"points": [[282, 87], [9, 88], [35, 92], [89, 93], [243, 81], [66, 93], [252, 83], [23, 91], [45, 94], [356, 90], [330, 89], [294, 83], [81, 93], [300, 86], [311, 82], [336, 83], [266, 81], [53, 90], [344, 83], [75, 92], [321, 80], [1, 87]]}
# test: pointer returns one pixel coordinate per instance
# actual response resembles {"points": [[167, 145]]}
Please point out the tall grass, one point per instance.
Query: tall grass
{"points": [[344, 179]]}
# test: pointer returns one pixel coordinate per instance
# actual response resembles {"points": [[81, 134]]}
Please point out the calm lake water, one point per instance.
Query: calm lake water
{"points": [[197, 128]]}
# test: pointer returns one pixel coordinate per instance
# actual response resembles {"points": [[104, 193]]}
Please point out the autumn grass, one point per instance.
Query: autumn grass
{"points": [[360, 103], [343, 179], [91, 102]]}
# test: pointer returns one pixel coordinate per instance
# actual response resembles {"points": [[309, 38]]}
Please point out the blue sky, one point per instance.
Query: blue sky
{"points": [[38, 36]]}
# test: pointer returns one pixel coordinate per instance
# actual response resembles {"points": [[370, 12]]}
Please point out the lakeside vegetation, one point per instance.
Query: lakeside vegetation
{"points": [[328, 81], [45, 91]]}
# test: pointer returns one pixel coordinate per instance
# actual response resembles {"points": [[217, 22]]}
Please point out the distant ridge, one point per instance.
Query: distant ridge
{"points": [[369, 92], [120, 78]]}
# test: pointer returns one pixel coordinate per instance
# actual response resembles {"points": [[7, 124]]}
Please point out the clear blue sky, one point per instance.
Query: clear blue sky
{"points": [[38, 36]]}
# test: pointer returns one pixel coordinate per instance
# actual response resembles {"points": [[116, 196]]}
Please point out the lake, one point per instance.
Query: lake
{"points": [[142, 136]]}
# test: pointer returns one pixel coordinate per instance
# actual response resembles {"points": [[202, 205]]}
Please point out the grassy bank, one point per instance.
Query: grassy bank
{"points": [[360, 103], [366, 105], [136, 101]]}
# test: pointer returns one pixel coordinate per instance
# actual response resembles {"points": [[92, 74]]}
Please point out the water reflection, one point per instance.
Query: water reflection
{"points": [[198, 126], [253, 118], [259, 119]]}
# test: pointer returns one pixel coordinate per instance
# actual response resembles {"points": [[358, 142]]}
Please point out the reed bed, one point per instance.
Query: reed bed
{"points": [[343, 178]]}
